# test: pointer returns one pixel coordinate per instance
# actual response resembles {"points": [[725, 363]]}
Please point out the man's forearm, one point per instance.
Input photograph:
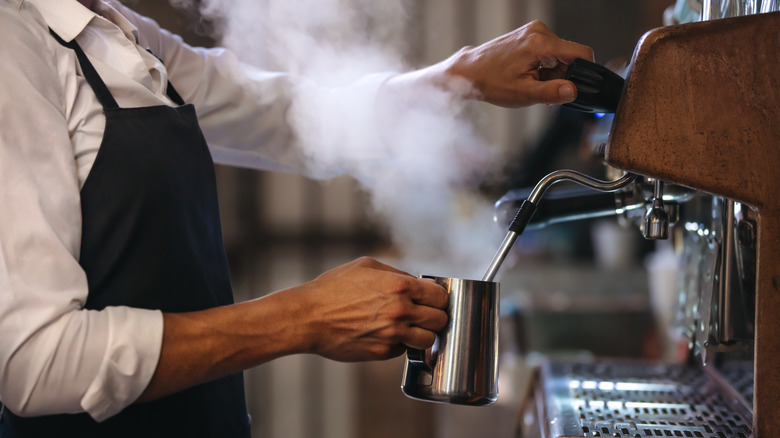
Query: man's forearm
{"points": [[202, 346], [521, 68]]}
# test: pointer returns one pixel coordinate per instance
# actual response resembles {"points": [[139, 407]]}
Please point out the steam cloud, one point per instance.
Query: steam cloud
{"points": [[422, 168]]}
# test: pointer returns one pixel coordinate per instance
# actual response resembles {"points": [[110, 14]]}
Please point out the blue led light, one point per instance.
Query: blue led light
{"points": [[599, 115]]}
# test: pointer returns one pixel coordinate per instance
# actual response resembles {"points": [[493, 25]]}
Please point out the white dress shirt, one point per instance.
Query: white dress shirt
{"points": [[56, 357]]}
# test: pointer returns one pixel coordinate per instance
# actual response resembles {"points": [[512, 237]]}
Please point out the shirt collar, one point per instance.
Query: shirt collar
{"points": [[68, 18]]}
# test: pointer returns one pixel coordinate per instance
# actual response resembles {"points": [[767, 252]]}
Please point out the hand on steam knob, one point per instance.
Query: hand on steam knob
{"points": [[521, 68]]}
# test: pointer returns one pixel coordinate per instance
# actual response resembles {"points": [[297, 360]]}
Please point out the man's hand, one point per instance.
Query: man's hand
{"points": [[366, 310], [521, 68]]}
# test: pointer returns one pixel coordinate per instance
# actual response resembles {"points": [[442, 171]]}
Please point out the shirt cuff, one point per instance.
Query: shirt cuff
{"points": [[130, 360]]}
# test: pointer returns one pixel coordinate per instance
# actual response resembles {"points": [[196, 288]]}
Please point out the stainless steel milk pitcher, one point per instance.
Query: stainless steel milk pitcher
{"points": [[462, 365]]}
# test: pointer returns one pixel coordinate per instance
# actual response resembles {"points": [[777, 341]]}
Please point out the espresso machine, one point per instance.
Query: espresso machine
{"points": [[694, 147]]}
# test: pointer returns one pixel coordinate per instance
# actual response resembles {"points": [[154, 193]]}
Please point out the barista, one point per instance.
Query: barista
{"points": [[116, 309]]}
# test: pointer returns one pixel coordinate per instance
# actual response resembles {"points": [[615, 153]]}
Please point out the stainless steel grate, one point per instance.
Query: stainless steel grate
{"points": [[639, 400]]}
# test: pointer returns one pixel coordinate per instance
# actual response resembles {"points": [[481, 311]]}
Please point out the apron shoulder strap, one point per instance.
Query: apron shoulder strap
{"points": [[90, 74]]}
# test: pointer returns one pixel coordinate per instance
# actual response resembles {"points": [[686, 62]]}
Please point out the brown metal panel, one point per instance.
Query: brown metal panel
{"points": [[701, 107]]}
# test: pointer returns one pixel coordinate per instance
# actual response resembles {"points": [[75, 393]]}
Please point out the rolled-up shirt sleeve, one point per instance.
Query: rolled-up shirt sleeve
{"points": [[55, 357]]}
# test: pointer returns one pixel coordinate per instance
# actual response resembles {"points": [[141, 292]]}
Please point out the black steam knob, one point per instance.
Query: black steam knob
{"points": [[598, 88]]}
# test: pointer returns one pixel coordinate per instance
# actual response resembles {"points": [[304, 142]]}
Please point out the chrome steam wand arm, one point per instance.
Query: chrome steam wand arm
{"points": [[528, 207]]}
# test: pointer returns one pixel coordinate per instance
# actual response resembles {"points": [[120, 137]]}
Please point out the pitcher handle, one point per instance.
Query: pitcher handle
{"points": [[416, 356], [425, 357]]}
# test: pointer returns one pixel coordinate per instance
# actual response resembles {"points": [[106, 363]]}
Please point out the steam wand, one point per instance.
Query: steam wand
{"points": [[528, 207]]}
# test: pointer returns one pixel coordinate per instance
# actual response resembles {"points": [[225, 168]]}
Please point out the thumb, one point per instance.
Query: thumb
{"points": [[555, 91]]}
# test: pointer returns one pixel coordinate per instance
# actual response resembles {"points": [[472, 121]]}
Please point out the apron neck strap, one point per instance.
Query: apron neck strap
{"points": [[90, 74]]}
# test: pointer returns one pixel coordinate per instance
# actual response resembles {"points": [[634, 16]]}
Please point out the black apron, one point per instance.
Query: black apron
{"points": [[151, 238]]}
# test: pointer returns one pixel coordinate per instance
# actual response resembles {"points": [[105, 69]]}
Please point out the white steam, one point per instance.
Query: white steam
{"points": [[419, 159]]}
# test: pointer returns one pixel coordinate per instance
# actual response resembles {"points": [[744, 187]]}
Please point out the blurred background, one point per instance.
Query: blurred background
{"points": [[563, 296]]}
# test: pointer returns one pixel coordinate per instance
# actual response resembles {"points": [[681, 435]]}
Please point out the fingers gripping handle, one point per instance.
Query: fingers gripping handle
{"points": [[427, 357]]}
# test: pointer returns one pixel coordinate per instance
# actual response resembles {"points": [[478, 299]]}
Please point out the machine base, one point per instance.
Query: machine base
{"points": [[635, 399]]}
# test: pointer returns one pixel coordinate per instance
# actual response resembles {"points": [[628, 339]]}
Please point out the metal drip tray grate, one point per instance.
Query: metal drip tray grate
{"points": [[639, 400]]}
